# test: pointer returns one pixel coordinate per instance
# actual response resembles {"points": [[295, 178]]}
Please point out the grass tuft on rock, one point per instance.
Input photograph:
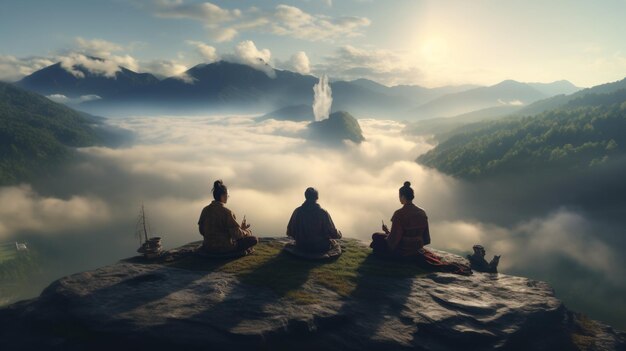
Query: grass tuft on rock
{"points": [[288, 276]]}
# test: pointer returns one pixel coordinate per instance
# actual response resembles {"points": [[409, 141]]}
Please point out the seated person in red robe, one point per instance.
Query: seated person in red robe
{"points": [[409, 229], [408, 235]]}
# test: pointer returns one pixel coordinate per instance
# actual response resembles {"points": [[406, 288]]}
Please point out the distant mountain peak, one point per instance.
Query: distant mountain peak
{"points": [[56, 79], [508, 82]]}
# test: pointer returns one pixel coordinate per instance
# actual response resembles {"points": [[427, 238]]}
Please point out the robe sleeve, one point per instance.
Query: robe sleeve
{"points": [[201, 222], [234, 229], [333, 233], [393, 239], [291, 227], [426, 236]]}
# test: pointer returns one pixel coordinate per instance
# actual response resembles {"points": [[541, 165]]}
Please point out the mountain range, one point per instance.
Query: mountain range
{"points": [[231, 87], [506, 93], [564, 100]]}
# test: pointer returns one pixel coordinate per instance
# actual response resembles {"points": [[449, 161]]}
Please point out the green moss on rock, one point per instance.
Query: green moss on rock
{"points": [[287, 275]]}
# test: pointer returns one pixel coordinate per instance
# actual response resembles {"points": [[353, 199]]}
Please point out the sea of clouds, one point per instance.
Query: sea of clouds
{"points": [[85, 217]]}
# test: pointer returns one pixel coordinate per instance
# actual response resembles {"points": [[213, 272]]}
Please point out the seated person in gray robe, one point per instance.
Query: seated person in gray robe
{"points": [[311, 226]]}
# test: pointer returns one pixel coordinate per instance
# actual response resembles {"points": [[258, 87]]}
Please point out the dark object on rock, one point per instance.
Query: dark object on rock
{"points": [[231, 254], [478, 262], [334, 251], [430, 261], [151, 248], [425, 259]]}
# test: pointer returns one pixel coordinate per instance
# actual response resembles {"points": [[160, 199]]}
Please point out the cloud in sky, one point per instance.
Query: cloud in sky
{"points": [[97, 47], [107, 67], [298, 62], [97, 56], [292, 21], [205, 11], [13, 68], [247, 53], [386, 66], [207, 52], [284, 20], [167, 68]]}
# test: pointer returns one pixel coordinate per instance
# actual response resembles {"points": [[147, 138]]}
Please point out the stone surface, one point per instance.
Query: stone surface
{"points": [[134, 305]]}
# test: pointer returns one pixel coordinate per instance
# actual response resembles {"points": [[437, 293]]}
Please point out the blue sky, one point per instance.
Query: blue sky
{"points": [[430, 43]]}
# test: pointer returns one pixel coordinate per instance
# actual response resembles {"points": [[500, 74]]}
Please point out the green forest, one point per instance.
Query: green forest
{"points": [[587, 132], [37, 134]]}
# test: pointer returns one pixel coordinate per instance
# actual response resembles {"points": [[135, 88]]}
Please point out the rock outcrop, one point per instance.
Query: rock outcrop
{"points": [[273, 301], [339, 126]]}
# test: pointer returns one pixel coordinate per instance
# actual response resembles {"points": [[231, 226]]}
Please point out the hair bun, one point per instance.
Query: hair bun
{"points": [[218, 184], [407, 184]]}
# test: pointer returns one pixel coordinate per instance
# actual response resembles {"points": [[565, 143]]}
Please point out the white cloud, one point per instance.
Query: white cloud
{"points": [[388, 67], [97, 56], [284, 20], [101, 57], [247, 53], [97, 47], [220, 34], [534, 243], [107, 67], [204, 11], [30, 211], [299, 62], [13, 68], [207, 52], [292, 21], [510, 103], [567, 234], [166, 68], [60, 98]]}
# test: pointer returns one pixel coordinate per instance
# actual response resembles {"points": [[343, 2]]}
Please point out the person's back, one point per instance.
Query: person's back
{"points": [[218, 226], [411, 230], [311, 226]]}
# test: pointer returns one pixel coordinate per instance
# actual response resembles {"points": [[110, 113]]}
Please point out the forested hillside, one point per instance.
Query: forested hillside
{"points": [[588, 132], [36, 133]]}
